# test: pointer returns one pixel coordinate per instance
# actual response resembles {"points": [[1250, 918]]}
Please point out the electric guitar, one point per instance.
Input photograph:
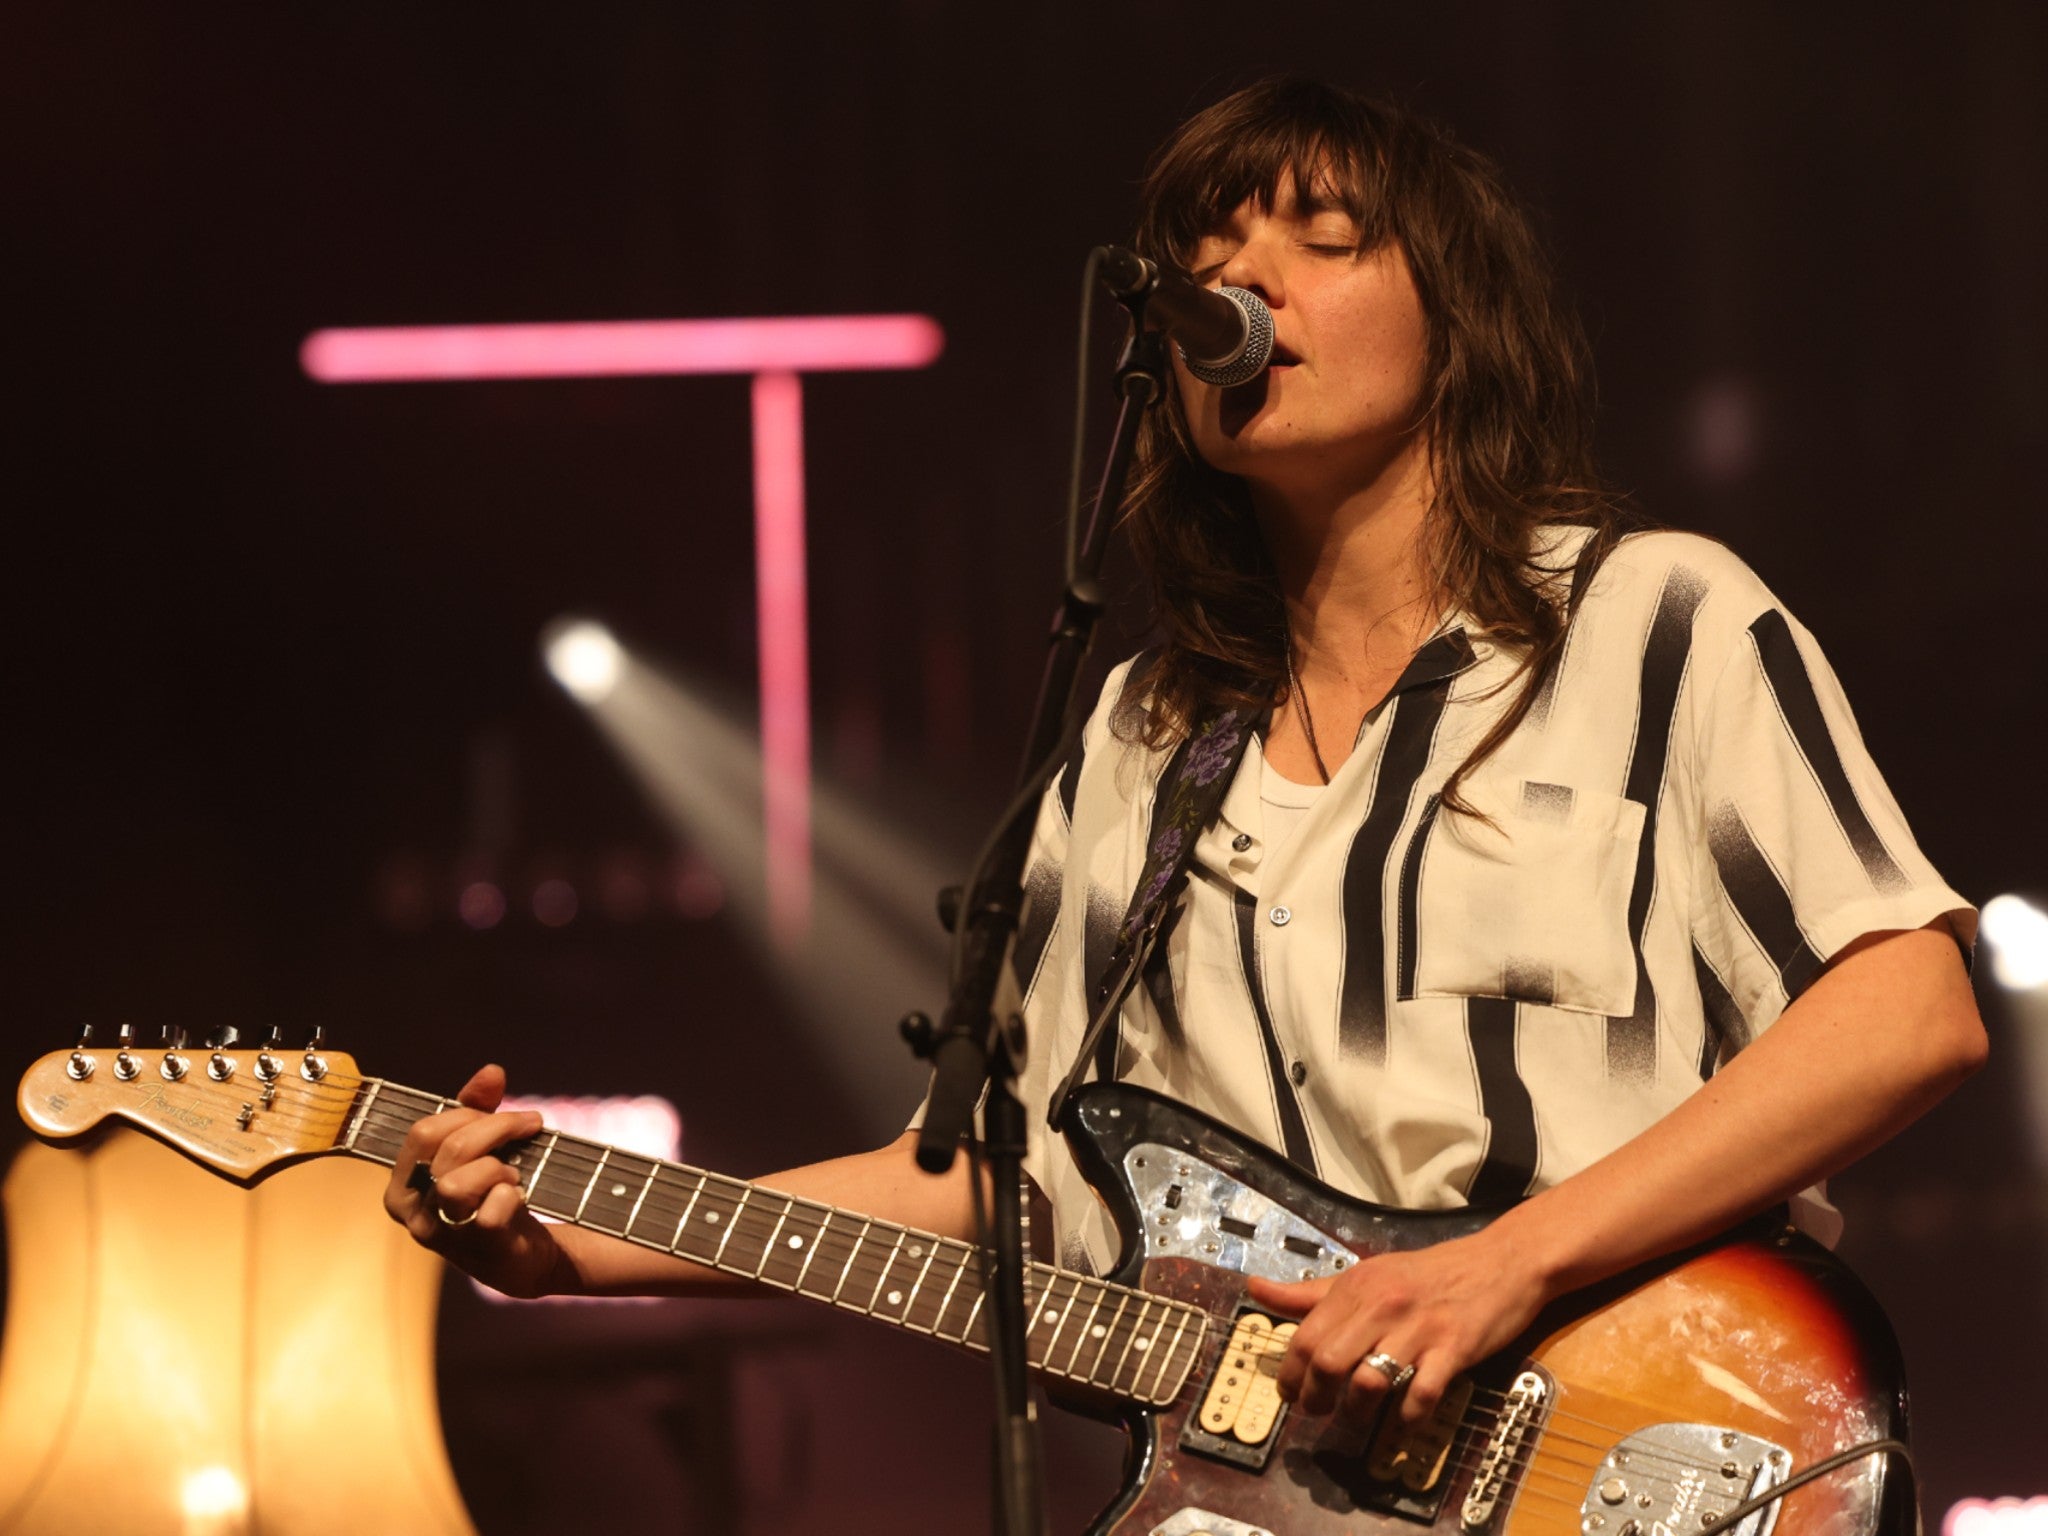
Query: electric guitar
{"points": [[1751, 1387]]}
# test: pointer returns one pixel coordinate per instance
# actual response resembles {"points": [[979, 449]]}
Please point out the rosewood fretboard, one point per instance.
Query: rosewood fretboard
{"points": [[1105, 1336]]}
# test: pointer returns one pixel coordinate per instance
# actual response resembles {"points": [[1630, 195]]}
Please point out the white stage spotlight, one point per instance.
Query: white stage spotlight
{"points": [[2017, 932], [584, 658]]}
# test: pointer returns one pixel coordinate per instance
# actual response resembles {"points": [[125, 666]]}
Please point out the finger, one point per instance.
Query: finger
{"points": [[502, 1205], [485, 1090], [1433, 1373], [465, 1188], [481, 1136], [1368, 1387], [1293, 1298], [1330, 1361], [424, 1140]]}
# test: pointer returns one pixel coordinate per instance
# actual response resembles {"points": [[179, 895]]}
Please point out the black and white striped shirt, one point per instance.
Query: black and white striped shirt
{"points": [[1426, 1010]]}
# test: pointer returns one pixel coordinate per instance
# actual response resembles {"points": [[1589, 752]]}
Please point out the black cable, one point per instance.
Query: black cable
{"points": [[1805, 1475]]}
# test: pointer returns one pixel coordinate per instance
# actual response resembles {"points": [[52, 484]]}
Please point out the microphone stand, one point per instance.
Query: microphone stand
{"points": [[971, 1049]]}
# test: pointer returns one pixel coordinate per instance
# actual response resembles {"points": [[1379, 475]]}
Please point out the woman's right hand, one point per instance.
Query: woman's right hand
{"points": [[454, 1197]]}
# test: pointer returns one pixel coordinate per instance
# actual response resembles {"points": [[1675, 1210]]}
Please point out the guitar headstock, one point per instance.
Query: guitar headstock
{"points": [[241, 1112]]}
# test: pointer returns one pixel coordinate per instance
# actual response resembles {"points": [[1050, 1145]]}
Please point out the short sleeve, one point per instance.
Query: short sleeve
{"points": [[1801, 848]]}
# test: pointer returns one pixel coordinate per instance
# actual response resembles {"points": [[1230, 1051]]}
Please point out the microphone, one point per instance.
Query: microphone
{"points": [[1225, 335]]}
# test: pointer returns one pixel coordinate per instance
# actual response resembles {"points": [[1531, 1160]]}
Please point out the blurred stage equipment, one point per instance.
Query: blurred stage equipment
{"points": [[775, 351], [183, 1355], [2017, 932]]}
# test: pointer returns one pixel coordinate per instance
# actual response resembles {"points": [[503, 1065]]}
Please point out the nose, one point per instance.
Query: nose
{"points": [[1256, 266]]}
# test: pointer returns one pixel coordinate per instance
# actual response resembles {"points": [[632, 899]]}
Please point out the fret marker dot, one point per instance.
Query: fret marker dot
{"points": [[796, 1242], [712, 1217], [1141, 1345], [895, 1297], [916, 1252], [617, 1190], [1098, 1332], [1052, 1317]]}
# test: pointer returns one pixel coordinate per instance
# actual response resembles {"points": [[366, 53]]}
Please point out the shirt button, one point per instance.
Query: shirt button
{"points": [[1298, 1073], [1280, 917], [1242, 841]]}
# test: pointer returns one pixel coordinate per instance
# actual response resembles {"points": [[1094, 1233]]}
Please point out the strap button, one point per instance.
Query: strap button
{"points": [[1242, 841]]}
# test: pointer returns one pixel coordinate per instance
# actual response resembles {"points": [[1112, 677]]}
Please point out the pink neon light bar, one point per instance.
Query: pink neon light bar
{"points": [[775, 350], [598, 348], [782, 606]]}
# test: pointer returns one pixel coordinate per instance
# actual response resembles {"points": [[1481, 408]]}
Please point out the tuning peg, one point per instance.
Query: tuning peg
{"points": [[314, 1067], [126, 1067], [175, 1066], [81, 1066], [268, 1065], [220, 1066], [273, 1039]]}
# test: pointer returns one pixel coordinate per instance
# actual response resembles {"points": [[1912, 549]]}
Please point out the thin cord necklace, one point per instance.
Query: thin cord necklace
{"points": [[1308, 722]]}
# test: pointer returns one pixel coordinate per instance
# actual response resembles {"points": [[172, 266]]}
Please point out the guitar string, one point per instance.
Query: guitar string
{"points": [[336, 1086], [568, 1153]]}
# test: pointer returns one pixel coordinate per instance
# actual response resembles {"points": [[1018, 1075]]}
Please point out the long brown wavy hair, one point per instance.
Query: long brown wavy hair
{"points": [[1509, 405]]}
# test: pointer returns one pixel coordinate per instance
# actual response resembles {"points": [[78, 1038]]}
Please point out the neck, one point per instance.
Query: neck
{"points": [[1352, 566]]}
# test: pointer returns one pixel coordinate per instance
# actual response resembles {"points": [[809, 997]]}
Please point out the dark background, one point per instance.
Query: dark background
{"points": [[266, 641]]}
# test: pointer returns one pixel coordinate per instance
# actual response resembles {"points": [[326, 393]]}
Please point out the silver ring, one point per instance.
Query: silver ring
{"points": [[453, 1221], [1397, 1374]]}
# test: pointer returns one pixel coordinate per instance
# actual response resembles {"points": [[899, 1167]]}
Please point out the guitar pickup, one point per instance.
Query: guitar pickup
{"points": [[1241, 1410]]}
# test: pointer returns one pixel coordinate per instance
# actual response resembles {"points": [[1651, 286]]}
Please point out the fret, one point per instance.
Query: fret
{"points": [[682, 1220], [1080, 1333], [1196, 1340], [533, 1180], [559, 1192], [959, 1269], [1058, 1318], [931, 1254], [603, 1158], [811, 1251], [1138, 1327], [362, 1115], [709, 1213], [1107, 1333], [610, 1203], [847, 1268], [798, 1242], [732, 1225], [883, 1279], [1165, 1356], [975, 1311], [653, 1172], [774, 1232]]}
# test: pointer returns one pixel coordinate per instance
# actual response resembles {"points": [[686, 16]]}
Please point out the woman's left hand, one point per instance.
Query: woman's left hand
{"points": [[1440, 1310]]}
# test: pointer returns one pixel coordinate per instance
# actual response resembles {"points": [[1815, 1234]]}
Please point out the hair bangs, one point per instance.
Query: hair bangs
{"points": [[1327, 151]]}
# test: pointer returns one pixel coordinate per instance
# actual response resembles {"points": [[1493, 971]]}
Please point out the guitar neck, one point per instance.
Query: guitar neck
{"points": [[1105, 1336]]}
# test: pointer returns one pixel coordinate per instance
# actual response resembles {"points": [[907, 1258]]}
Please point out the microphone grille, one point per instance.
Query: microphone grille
{"points": [[1250, 360]]}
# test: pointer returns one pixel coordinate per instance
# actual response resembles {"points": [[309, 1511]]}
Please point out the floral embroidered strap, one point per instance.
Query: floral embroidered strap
{"points": [[1191, 788]]}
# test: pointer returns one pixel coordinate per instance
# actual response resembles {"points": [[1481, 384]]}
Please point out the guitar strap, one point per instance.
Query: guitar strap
{"points": [[1191, 789]]}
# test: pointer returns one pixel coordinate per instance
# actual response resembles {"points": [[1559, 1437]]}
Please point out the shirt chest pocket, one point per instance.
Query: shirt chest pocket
{"points": [[1533, 907]]}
